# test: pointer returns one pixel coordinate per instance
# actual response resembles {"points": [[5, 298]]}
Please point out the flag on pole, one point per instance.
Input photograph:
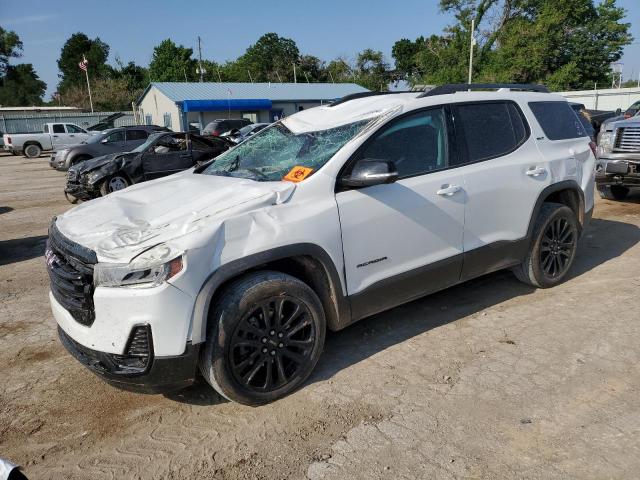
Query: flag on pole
{"points": [[83, 64]]}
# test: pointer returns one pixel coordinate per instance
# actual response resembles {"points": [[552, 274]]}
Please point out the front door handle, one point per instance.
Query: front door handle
{"points": [[536, 172], [448, 190]]}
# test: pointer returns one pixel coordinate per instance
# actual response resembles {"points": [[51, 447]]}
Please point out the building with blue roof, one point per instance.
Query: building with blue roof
{"points": [[182, 105]]}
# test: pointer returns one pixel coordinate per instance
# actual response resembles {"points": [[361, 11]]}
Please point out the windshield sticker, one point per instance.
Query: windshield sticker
{"points": [[297, 174]]}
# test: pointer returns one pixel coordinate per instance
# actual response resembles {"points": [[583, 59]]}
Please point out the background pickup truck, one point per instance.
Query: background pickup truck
{"points": [[53, 136]]}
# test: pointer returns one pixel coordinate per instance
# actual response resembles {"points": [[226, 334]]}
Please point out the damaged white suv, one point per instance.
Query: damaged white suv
{"points": [[238, 267]]}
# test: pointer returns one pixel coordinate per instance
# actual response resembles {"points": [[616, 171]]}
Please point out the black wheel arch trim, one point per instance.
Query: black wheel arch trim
{"points": [[551, 189], [336, 320]]}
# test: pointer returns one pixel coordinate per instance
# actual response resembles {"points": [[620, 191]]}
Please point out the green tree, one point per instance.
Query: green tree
{"points": [[109, 94], [78, 45], [10, 47], [270, 59], [172, 63], [21, 86], [339, 70], [135, 76], [311, 68], [371, 71]]}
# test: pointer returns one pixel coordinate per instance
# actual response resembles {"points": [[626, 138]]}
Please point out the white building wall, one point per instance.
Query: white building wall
{"points": [[156, 104], [607, 99]]}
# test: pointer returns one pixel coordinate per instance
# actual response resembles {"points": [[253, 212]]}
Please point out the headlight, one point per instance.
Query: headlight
{"points": [[94, 177], [606, 143], [149, 269]]}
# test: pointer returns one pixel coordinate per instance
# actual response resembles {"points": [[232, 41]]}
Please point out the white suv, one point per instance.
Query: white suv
{"points": [[238, 267]]}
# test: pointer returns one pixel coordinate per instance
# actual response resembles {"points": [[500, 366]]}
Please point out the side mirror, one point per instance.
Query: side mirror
{"points": [[618, 111], [369, 172]]}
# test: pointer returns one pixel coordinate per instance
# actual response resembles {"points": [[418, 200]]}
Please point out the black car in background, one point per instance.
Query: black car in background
{"points": [[218, 127], [113, 140], [162, 154]]}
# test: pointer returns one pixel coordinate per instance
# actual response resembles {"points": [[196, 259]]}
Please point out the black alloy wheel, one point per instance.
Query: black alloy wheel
{"points": [[554, 243], [272, 344], [265, 334], [557, 247]]}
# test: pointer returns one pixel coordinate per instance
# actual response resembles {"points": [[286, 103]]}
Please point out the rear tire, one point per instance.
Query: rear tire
{"points": [[613, 192], [553, 247], [113, 184], [264, 338], [32, 151]]}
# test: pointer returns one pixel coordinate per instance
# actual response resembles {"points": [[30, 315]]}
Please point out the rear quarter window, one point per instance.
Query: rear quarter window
{"points": [[490, 129], [558, 120]]}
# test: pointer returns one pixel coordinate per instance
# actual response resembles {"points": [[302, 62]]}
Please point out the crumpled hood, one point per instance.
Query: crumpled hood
{"points": [[93, 163], [124, 224]]}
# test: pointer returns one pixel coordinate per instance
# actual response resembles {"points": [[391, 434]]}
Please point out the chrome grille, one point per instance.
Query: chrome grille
{"points": [[627, 140]]}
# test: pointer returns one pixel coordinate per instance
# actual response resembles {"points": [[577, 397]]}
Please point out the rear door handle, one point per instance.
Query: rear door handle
{"points": [[448, 190], [536, 172]]}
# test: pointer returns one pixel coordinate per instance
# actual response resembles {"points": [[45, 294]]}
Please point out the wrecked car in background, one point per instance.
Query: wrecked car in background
{"points": [[116, 140], [162, 154]]}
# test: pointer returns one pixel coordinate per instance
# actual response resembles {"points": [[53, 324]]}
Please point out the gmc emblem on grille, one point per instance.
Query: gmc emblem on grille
{"points": [[50, 257]]}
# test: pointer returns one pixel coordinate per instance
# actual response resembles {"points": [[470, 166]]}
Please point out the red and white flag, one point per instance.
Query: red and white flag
{"points": [[83, 64]]}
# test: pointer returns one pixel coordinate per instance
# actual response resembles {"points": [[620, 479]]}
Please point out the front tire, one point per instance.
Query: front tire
{"points": [[113, 184], [553, 247], [613, 192], [264, 338], [32, 151]]}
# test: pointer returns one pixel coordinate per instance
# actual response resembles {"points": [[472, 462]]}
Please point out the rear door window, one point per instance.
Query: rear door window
{"points": [[58, 128], [489, 129], [558, 120]]}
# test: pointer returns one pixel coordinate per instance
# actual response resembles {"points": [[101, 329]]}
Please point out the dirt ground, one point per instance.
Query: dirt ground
{"points": [[490, 379]]}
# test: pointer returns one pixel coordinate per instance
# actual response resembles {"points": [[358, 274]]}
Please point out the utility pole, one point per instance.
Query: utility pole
{"points": [[201, 71], [471, 45], [295, 77]]}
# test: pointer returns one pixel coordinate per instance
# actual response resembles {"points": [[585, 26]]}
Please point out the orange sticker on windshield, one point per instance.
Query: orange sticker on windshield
{"points": [[297, 174]]}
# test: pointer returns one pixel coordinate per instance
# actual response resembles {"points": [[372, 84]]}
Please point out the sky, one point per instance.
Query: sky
{"points": [[324, 28]]}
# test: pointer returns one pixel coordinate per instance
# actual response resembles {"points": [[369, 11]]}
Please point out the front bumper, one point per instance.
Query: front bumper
{"points": [[618, 171], [80, 191], [162, 374]]}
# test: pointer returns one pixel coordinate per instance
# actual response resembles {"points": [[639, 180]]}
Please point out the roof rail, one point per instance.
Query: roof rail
{"points": [[355, 96], [464, 87]]}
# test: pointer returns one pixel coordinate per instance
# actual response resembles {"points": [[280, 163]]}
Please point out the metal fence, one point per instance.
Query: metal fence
{"points": [[607, 99], [33, 122]]}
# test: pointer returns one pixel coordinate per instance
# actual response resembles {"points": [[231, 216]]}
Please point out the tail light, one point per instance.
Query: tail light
{"points": [[8, 140], [215, 133], [593, 147]]}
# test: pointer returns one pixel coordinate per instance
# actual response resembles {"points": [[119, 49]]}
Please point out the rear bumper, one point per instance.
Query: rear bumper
{"points": [[163, 374]]}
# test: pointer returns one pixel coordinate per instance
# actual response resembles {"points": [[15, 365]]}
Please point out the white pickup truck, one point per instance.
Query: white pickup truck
{"points": [[53, 136]]}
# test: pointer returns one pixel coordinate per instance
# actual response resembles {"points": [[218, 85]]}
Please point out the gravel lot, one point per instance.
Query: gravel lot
{"points": [[490, 379]]}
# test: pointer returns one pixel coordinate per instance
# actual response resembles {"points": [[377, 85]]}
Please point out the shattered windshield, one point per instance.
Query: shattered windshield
{"points": [[274, 152], [141, 148]]}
